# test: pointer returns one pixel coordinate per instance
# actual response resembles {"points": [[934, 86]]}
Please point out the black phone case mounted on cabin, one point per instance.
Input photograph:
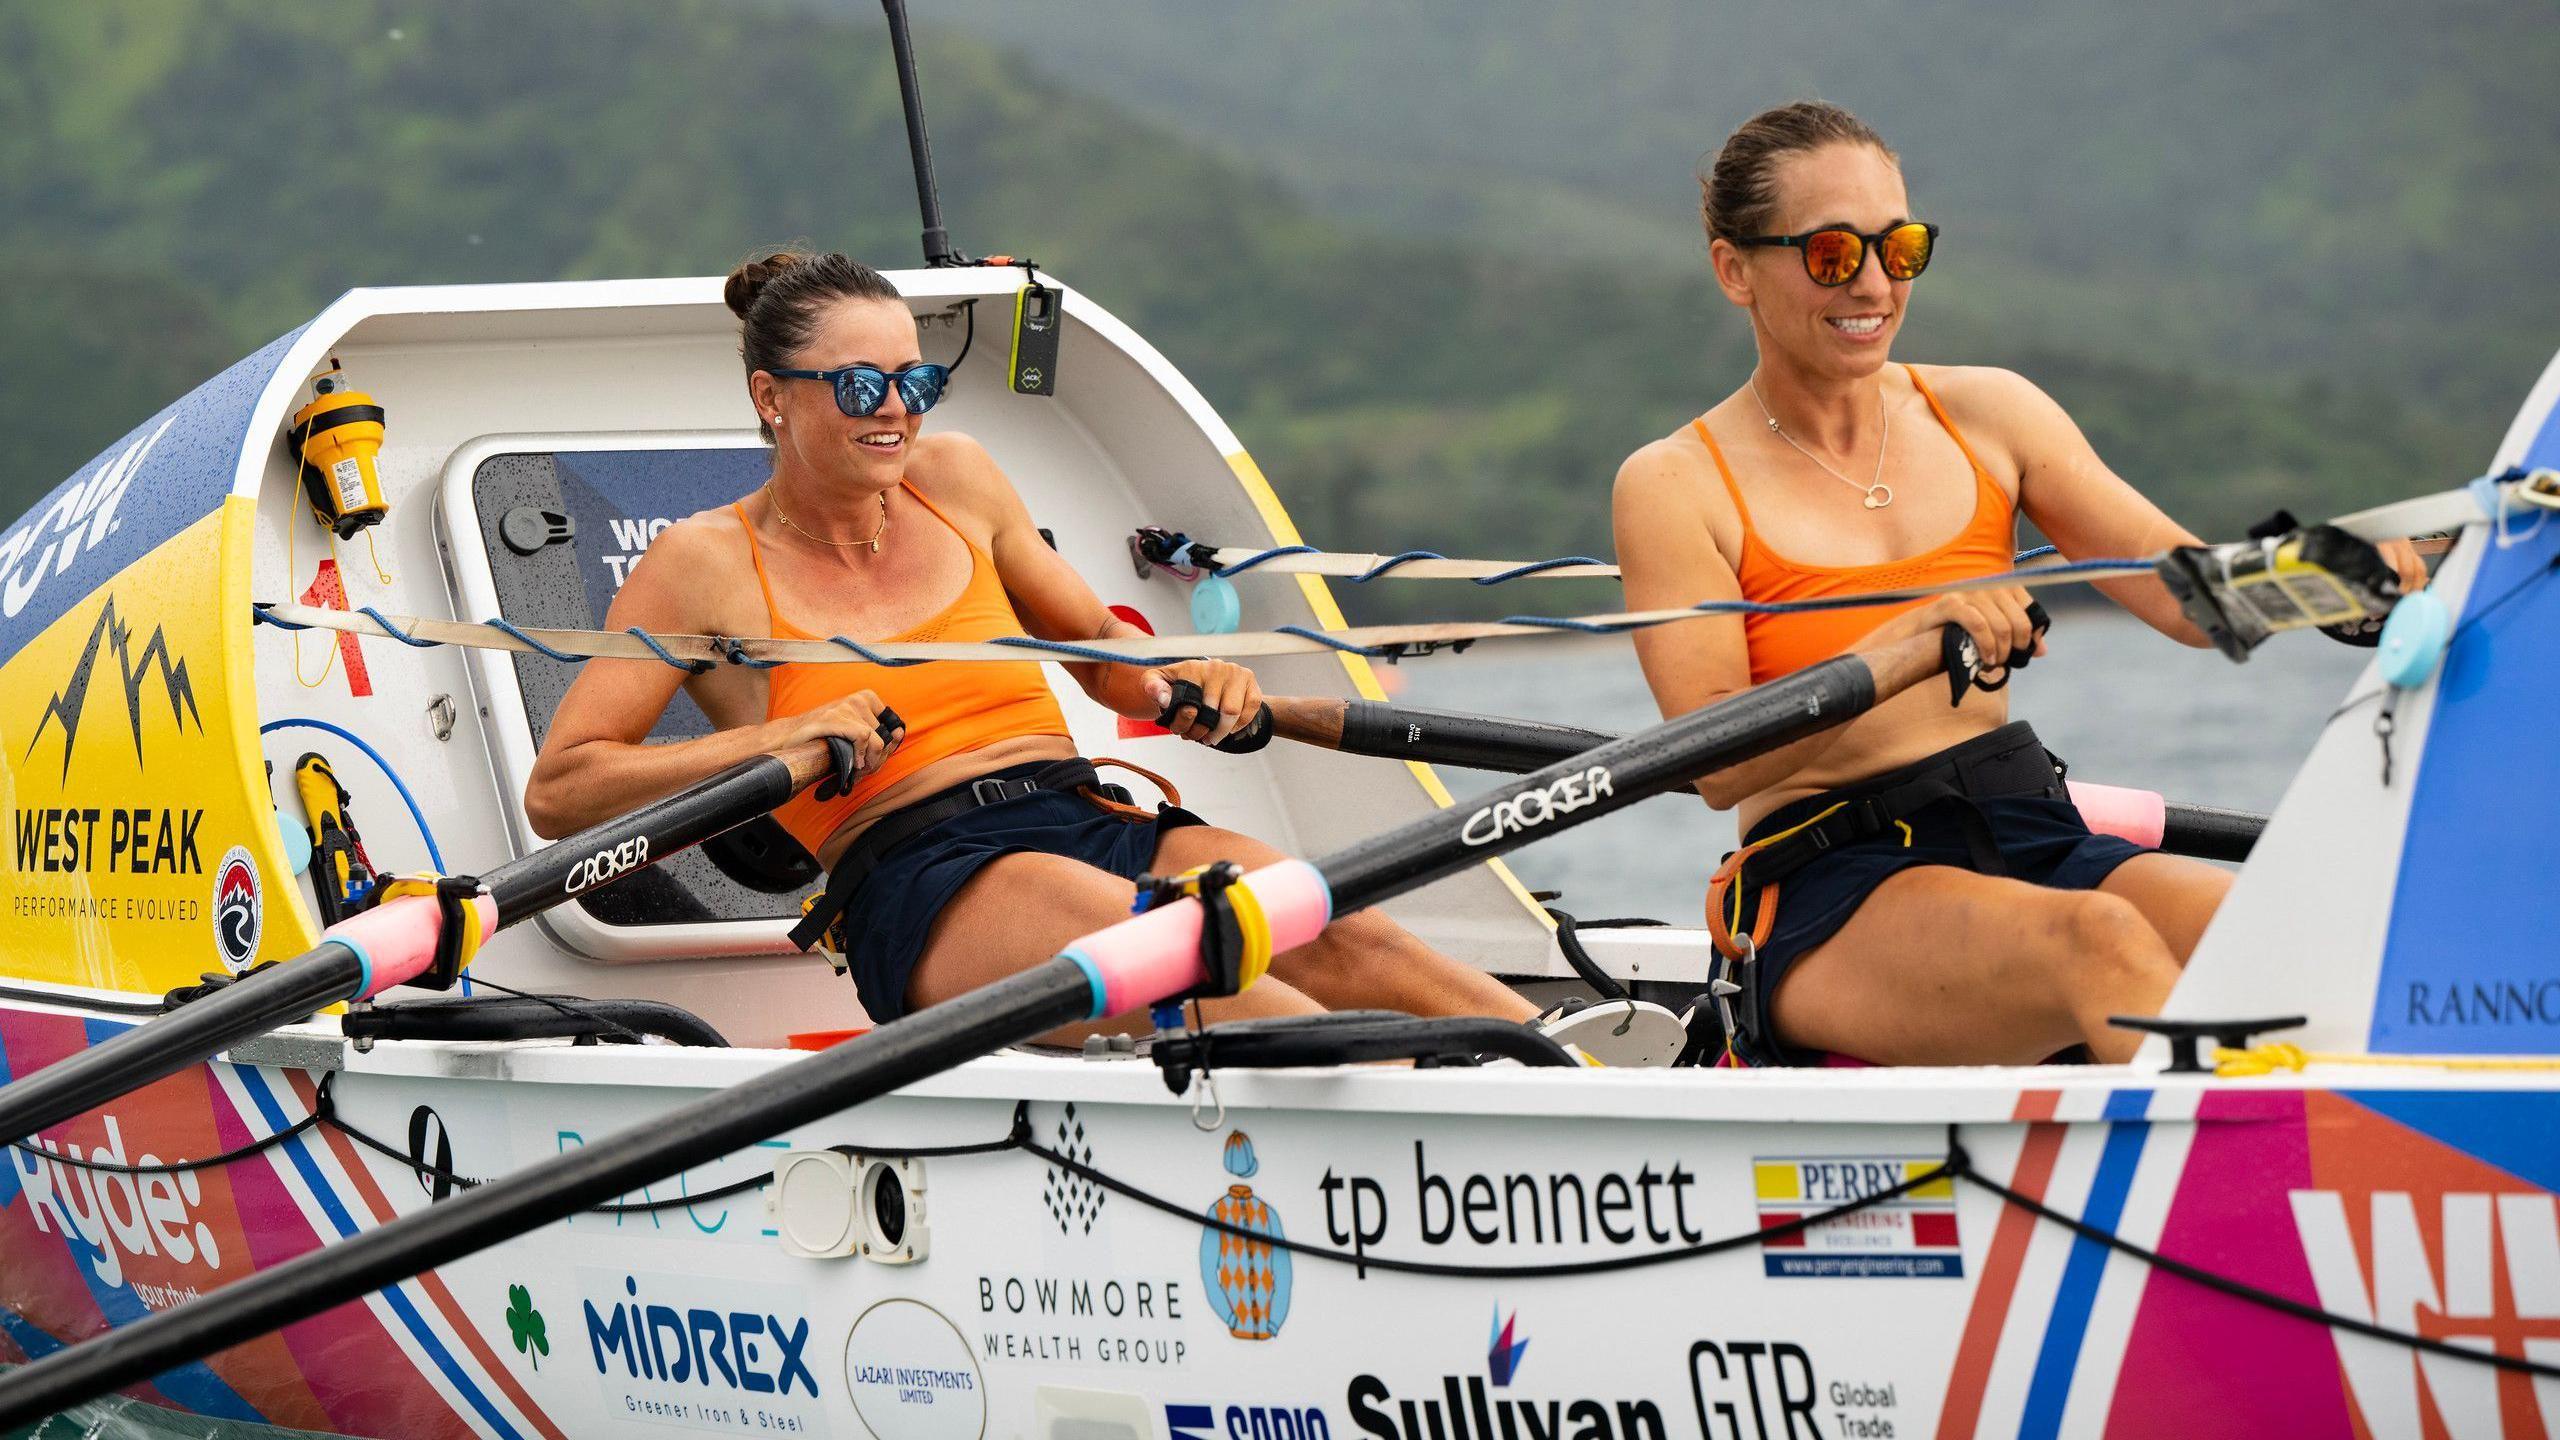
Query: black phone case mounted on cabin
{"points": [[1035, 341]]}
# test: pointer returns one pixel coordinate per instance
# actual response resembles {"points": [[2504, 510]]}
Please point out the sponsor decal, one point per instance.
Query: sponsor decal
{"points": [[631, 537], [1502, 1354], [1532, 808], [2469, 1267], [1247, 1278], [1245, 1422], [239, 916], [1073, 1319], [65, 840], [1078, 1313], [154, 669], [116, 1217], [911, 1375], [702, 1352], [43, 546], [607, 864], [1073, 1201], [1514, 1210], [1751, 1389], [525, 1326], [1912, 1236], [431, 1152], [1465, 1407]]}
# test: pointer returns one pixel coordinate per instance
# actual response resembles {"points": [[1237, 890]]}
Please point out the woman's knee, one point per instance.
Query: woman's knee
{"points": [[2106, 946]]}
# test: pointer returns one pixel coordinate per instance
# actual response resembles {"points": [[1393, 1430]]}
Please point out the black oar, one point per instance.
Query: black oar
{"points": [[1094, 978], [1492, 742], [373, 951]]}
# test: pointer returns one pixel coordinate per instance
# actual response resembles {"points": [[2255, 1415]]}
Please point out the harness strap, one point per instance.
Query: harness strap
{"points": [[819, 913]]}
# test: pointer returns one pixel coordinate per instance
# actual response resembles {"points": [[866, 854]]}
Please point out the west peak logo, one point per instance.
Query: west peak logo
{"points": [[155, 662]]}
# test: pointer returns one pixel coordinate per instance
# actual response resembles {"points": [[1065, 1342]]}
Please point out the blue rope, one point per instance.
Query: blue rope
{"points": [[734, 651], [1535, 567], [2037, 553], [395, 632], [1229, 572], [690, 667], [874, 656], [504, 628]]}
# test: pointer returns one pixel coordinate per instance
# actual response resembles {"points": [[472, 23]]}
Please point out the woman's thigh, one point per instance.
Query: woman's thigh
{"points": [[1023, 908], [1941, 966]]}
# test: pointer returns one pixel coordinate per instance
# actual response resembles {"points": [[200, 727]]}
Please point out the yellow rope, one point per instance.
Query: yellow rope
{"points": [[2268, 1058]]}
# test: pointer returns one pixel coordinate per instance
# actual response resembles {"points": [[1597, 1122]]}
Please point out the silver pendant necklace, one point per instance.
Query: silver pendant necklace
{"points": [[1878, 494]]}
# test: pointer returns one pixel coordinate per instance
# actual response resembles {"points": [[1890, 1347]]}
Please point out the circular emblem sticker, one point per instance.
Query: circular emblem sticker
{"points": [[912, 1375], [239, 917]]}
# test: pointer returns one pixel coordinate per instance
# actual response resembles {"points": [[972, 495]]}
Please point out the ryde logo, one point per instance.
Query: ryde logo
{"points": [[116, 1216], [1532, 808], [66, 704], [80, 518]]}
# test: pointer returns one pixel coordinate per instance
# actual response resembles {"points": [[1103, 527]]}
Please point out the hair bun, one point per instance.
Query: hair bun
{"points": [[748, 280]]}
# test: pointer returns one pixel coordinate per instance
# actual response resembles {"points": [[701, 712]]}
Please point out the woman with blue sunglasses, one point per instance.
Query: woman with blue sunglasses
{"points": [[974, 841]]}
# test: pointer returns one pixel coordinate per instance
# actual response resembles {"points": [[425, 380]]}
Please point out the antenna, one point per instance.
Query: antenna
{"points": [[938, 251]]}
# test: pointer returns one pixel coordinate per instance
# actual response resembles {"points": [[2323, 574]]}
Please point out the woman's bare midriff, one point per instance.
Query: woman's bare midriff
{"points": [[1911, 726], [942, 775]]}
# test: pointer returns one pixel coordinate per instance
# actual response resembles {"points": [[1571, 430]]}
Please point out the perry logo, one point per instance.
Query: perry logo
{"points": [[77, 521], [607, 865], [239, 918], [154, 663], [1532, 808]]}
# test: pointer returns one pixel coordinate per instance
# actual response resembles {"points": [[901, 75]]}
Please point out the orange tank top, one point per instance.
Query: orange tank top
{"points": [[1783, 644], [949, 709]]}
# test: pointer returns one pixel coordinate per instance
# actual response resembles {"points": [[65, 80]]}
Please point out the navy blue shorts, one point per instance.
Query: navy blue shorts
{"points": [[893, 909], [2041, 840]]}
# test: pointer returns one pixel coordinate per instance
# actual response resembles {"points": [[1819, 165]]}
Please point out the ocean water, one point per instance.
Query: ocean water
{"points": [[2122, 704]]}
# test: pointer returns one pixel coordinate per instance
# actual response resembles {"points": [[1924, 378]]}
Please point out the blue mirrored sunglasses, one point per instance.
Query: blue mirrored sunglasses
{"points": [[863, 389]]}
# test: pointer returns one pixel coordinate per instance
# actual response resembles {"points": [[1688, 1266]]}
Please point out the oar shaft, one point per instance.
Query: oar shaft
{"points": [[723, 1123], [331, 971], [185, 1036], [1492, 742]]}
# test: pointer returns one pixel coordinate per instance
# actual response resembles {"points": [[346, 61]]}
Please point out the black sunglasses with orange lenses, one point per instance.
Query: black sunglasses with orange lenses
{"points": [[1834, 254]]}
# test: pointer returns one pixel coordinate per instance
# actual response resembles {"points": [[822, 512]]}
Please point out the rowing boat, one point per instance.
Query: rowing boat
{"points": [[1049, 1244]]}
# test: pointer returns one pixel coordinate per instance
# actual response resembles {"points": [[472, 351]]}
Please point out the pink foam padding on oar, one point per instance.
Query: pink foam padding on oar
{"points": [[1146, 957], [2140, 816], [399, 936]]}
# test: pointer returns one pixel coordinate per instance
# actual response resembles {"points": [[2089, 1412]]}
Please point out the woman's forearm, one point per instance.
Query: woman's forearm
{"points": [[594, 781]]}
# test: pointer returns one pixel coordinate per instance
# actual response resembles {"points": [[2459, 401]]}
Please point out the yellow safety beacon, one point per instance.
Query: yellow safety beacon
{"points": [[336, 438]]}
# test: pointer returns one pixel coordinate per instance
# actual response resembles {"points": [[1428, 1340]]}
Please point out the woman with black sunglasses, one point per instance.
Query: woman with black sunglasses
{"points": [[1915, 887], [973, 842]]}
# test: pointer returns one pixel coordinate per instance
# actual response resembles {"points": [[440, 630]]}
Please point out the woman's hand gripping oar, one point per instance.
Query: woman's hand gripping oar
{"points": [[1151, 957], [428, 927]]}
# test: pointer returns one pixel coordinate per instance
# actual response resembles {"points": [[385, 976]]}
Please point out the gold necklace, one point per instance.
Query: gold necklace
{"points": [[1878, 493], [873, 542]]}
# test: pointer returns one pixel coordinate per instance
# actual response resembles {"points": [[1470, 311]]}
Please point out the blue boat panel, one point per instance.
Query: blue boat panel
{"points": [[169, 472], [2471, 964]]}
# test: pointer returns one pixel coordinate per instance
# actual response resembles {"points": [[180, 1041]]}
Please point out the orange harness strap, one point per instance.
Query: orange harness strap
{"points": [[1163, 786]]}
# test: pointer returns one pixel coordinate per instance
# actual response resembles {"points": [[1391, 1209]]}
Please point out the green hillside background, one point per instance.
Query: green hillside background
{"points": [[1436, 262]]}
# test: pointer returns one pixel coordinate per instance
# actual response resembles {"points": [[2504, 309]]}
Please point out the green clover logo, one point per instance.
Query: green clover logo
{"points": [[525, 1324]]}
